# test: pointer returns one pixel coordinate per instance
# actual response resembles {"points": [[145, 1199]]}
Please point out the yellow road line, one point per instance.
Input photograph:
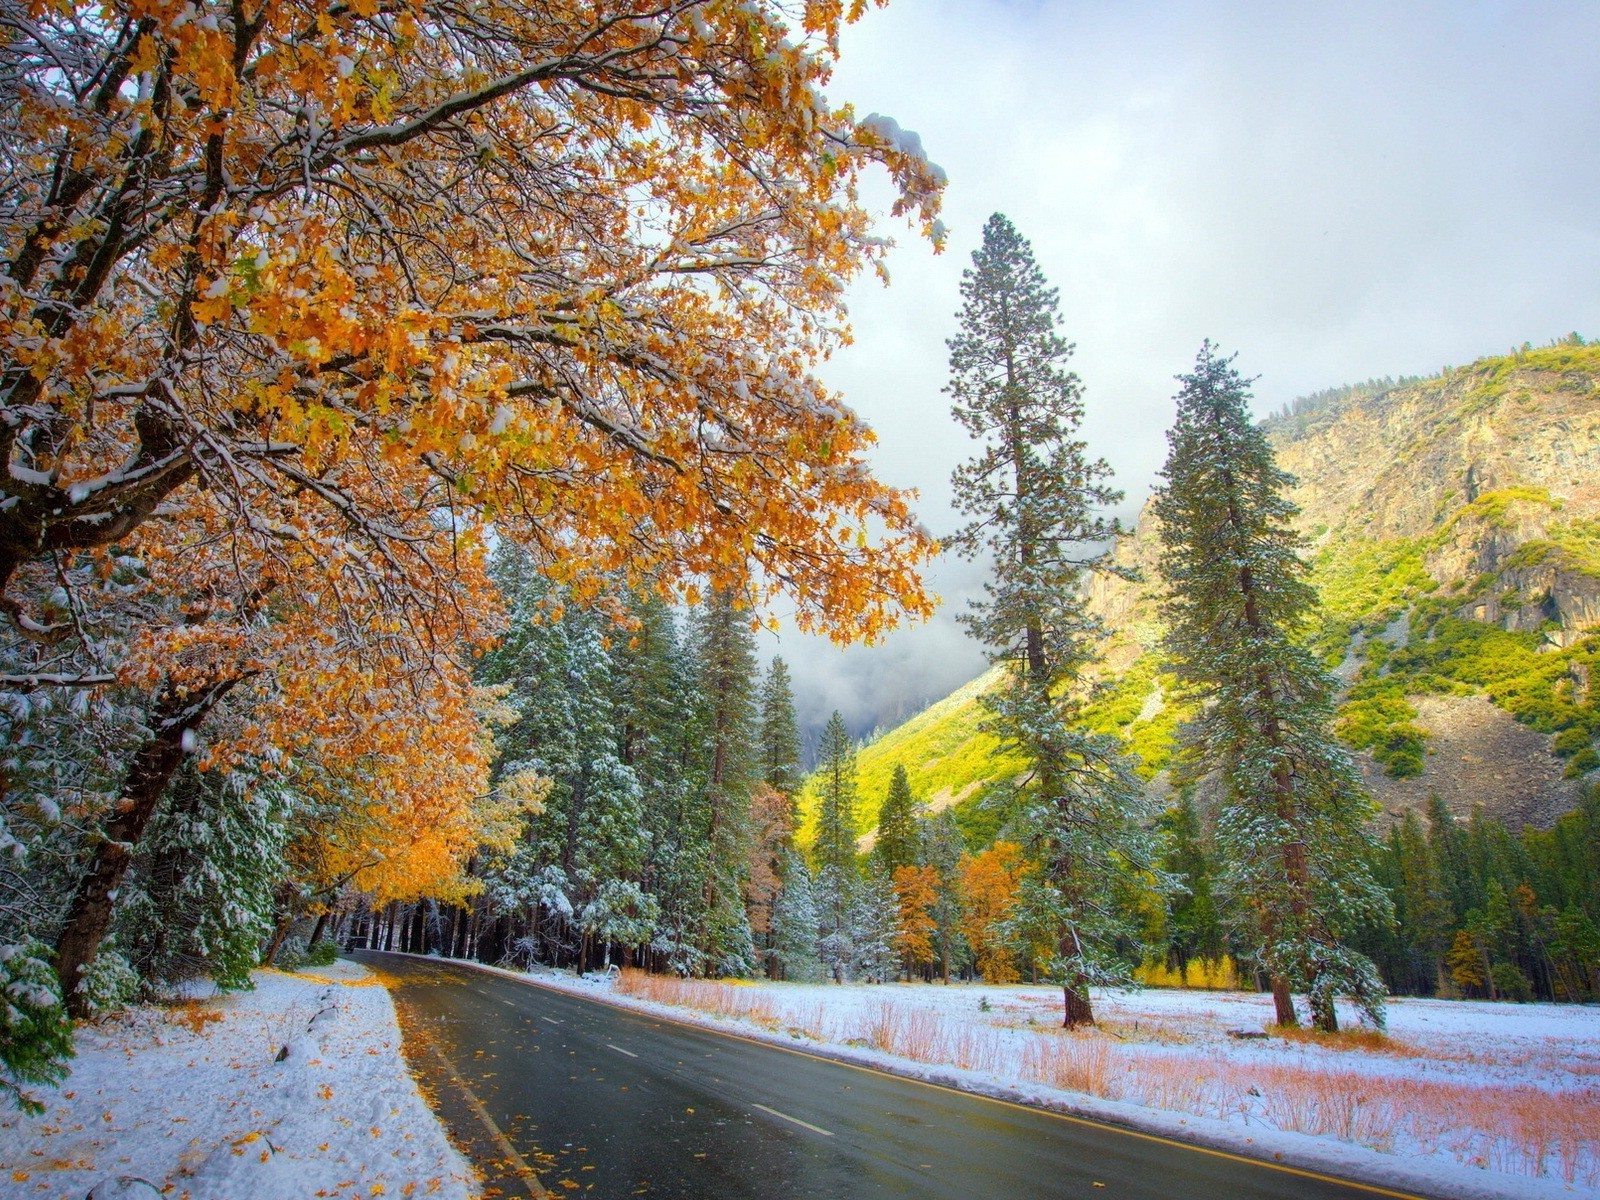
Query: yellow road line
{"points": [[519, 1165]]}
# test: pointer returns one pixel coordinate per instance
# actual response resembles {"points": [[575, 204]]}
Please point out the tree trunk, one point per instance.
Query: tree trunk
{"points": [[1283, 1003], [280, 931], [176, 715], [1076, 1007], [319, 928], [388, 926], [1324, 1016]]}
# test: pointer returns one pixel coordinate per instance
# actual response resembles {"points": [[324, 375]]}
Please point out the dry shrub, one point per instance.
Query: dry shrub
{"points": [[1073, 1063], [1519, 1129], [719, 999], [1360, 1037]]}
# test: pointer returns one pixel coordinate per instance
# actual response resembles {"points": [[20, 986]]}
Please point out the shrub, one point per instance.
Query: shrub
{"points": [[322, 954], [291, 955], [35, 1032], [109, 981]]}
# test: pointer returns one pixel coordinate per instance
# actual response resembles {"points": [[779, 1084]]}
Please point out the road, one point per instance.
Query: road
{"points": [[555, 1094]]}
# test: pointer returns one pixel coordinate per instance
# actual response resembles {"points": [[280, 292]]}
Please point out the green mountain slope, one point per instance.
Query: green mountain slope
{"points": [[1454, 526]]}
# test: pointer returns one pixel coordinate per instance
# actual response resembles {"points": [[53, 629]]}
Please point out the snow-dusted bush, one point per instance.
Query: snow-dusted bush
{"points": [[109, 981], [35, 1033]]}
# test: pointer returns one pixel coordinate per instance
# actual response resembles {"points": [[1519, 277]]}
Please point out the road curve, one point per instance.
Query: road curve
{"points": [[555, 1094]]}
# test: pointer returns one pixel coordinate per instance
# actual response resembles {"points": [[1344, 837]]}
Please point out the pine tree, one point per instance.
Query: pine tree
{"points": [[941, 850], [897, 842], [1032, 494], [1293, 821], [725, 651], [794, 923], [836, 817], [874, 928], [780, 732]]}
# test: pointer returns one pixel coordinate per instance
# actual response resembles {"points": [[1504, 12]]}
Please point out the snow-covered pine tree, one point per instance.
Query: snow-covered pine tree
{"points": [[199, 898], [897, 842], [941, 848], [1032, 496], [1293, 821], [725, 652], [590, 839], [874, 922], [838, 873], [658, 702], [794, 923]]}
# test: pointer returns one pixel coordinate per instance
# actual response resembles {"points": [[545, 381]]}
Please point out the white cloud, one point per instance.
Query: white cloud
{"points": [[1334, 193]]}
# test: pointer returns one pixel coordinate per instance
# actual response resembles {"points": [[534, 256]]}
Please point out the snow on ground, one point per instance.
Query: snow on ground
{"points": [[1460, 1098], [194, 1101]]}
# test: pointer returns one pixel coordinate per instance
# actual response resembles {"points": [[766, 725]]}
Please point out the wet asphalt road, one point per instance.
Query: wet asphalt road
{"points": [[557, 1095]]}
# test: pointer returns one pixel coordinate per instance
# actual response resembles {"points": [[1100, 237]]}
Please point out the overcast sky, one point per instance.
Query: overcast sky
{"points": [[1364, 190]]}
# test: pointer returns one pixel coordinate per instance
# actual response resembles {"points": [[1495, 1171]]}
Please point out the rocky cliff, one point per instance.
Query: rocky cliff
{"points": [[1454, 526]]}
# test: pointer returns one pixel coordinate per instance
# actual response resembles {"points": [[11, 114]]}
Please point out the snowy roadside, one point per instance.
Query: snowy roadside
{"points": [[194, 1102], [1518, 1046]]}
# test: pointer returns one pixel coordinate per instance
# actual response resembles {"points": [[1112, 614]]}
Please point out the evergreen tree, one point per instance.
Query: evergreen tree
{"points": [[897, 843], [1194, 926], [941, 849], [836, 810], [780, 732], [838, 873], [874, 925], [199, 899], [1032, 494], [1423, 910], [725, 651], [1293, 820], [794, 923]]}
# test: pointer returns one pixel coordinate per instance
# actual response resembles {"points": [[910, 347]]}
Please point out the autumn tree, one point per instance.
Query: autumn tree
{"points": [[989, 883], [917, 891], [1032, 495], [1293, 823], [328, 289]]}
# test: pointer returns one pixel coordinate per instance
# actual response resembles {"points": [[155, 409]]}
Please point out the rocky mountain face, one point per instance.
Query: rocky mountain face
{"points": [[1454, 524]]}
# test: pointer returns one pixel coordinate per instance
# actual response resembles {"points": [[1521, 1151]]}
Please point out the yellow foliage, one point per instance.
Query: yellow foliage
{"points": [[1219, 974]]}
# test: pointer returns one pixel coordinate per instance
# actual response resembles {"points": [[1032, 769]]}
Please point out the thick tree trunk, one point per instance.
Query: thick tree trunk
{"points": [[1077, 1010], [176, 716], [1324, 1016], [1283, 1003]]}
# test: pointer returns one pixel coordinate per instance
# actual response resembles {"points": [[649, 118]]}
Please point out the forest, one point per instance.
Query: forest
{"points": [[410, 416]]}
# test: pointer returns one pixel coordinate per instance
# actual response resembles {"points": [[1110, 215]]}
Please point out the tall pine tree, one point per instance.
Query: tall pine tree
{"points": [[1293, 822], [1032, 495], [780, 732], [897, 843], [838, 874]]}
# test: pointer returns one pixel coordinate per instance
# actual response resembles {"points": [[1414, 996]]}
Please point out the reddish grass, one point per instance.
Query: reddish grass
{"points": [[721, 999]]}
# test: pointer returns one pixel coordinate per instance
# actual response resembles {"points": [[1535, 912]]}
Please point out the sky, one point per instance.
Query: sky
{"points": [[1334, 192]]}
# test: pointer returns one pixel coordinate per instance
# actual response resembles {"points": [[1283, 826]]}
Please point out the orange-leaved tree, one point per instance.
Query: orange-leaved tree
{"points": [[989, 883], [916, 889], [321, 288]]}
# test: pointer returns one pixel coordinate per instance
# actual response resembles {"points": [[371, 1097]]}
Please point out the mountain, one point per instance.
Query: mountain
{"points": [[1453, 524]]}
